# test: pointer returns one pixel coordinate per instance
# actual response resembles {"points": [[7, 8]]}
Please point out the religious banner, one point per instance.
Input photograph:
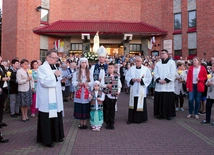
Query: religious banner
{"points": [[167, 44]]}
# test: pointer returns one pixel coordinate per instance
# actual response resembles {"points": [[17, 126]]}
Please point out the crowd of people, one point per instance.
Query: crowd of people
{"points": [[95, 88]]}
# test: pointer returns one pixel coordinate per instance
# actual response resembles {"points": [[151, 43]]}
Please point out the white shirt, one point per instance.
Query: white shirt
{"points": [[195, 74]]}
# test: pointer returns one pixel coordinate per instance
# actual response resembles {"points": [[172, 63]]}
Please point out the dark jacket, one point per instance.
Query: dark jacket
{"points": [[13, 83], [2, 73]]}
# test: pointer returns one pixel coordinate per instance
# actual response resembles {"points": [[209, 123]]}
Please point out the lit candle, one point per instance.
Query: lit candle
{"points": [[29, 71], [152, 73], [0, 77], [8, 73], [209, 76]]}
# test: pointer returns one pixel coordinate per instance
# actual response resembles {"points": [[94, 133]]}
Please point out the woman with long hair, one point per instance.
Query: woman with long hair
{"points": [[81, 80], [196, 78]]}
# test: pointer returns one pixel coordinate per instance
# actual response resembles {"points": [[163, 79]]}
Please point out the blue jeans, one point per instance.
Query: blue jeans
{"points": [[194, 96]]}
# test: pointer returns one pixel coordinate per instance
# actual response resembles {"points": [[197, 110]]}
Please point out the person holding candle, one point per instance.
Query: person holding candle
{"points": [[196, 78], [14, 106], [34, 66], [210, 97], [180, 77], [3, 92], [25, 88]]}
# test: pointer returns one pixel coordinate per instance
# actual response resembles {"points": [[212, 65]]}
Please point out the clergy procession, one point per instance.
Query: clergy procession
{"points": [[41, 89]]}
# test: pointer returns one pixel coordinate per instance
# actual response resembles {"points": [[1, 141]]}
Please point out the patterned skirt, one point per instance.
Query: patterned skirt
{"points": [[25, 98], [81, 111], [96, 118]]}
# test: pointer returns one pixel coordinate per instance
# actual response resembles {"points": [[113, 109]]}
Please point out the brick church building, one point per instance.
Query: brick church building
{"points": [[32, 27]]}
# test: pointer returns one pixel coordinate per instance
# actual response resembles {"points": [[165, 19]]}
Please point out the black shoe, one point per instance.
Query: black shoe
{"points": [[85, 127], [112, 127], [80, 126], [61, 140], [24, 120], [18, 114], [2, 140], [14, 115], [169, 118], [160, 117], [205, 122], [50, 145], [128, 122], [3, 124], [107, 127]]}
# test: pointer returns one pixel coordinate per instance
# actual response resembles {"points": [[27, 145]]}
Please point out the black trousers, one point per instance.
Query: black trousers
{"points": [[109, 110], [180, 98], [209, 104], [3, 98]]}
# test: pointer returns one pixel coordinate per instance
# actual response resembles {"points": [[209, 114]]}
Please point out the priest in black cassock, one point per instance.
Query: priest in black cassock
{"points": [[138, 78], [49, 102], [164, 75]]}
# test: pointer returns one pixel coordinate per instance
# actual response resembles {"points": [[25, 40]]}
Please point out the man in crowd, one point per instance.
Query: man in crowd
{"points": [[14, 106], [99, 70], [164, 75], [50, 107], [138, 77]]}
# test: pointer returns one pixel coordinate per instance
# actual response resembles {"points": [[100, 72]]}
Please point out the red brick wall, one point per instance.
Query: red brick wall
{"points": [[18, 22], [205, 28], [159, 14], [9, 31], [116, 10]]}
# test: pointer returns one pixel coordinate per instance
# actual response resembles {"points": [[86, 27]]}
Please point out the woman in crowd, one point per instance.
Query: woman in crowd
{"points": [[72, 70], [25, 88], [210, 97], [82, 82], [196, 77], [179, 91], [66, 77], [34, 66]]}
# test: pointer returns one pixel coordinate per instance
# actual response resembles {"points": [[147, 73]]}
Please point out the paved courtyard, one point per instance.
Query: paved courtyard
{"points": [[180, 136]]}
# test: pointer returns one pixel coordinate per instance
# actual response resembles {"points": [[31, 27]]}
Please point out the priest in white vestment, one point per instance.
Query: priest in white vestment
{"points": [[164, 75], [49, 102], [138, 78]]}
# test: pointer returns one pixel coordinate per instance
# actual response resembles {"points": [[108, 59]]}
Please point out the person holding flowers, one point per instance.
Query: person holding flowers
{"points": [[180, 78], [25, 88], [4, 78], [210, 97]]}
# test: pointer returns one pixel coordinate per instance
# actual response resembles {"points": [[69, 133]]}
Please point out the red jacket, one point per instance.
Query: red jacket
{"points": [[202, 78]]}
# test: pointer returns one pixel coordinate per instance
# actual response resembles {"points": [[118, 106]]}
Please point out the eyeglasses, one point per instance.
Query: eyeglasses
{"points": [[56, 58]]}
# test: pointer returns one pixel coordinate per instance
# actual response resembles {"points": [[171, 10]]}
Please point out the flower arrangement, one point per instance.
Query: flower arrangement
{"points": [[91, 56]]}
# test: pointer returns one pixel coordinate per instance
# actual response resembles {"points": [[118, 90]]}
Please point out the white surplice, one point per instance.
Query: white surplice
{"points": [[162, 71], [138, 90], [46, 80]]}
